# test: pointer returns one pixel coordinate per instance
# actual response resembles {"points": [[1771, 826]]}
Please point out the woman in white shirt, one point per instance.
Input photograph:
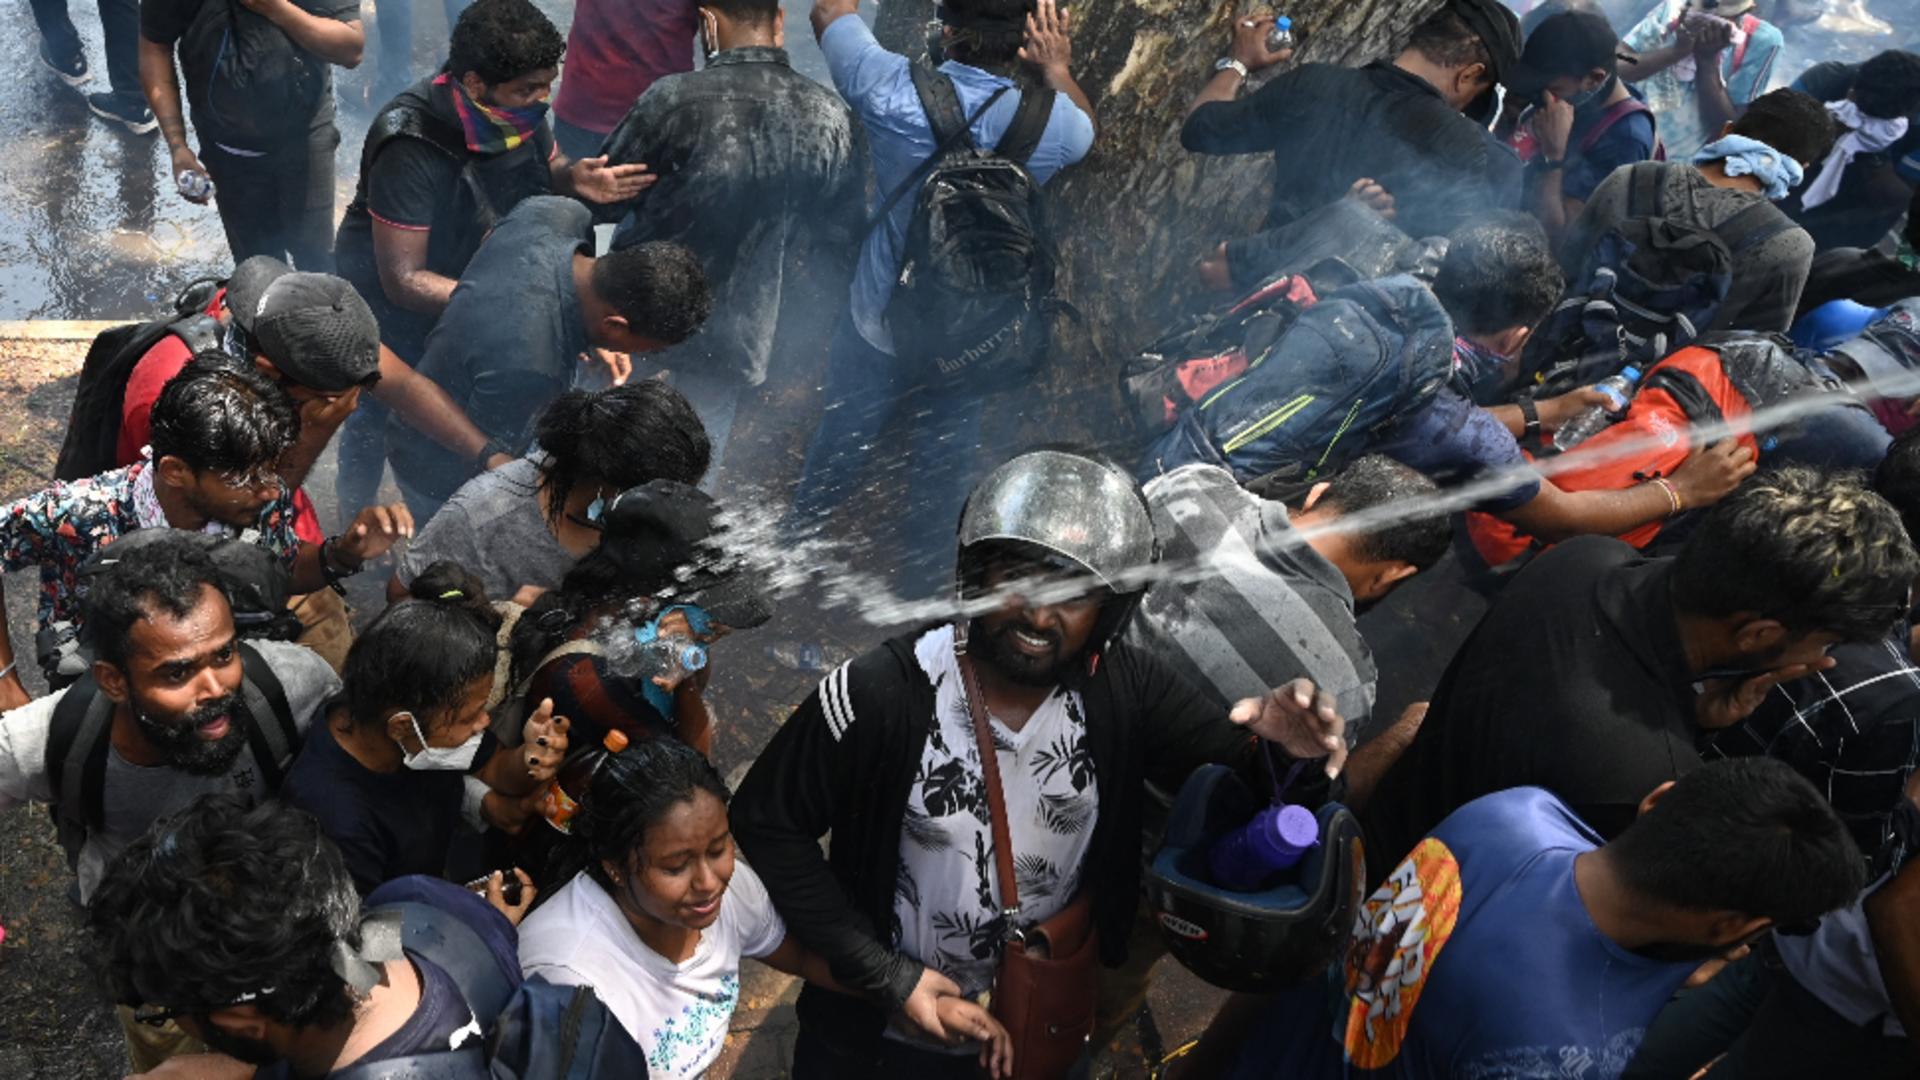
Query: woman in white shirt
{"points": [[660, 911]]}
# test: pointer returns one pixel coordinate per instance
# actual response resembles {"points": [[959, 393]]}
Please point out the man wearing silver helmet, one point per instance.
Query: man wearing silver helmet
{"points": [[1055, 550]]}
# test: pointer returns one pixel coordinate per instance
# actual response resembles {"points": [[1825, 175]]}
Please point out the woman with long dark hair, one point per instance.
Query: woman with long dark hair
{"points": [[657, 911]]}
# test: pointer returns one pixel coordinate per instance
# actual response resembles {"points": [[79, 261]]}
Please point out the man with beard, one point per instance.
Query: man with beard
{"points": [[174, 707], [1054, 552], [1597, 672]]}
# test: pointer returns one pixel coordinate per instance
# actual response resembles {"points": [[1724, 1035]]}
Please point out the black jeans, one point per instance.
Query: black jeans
{"points": [[119, 24], [279, 204], [816, 1056]]}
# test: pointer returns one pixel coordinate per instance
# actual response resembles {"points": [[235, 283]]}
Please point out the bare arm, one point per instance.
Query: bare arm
{"points": [[1372, 759], [1249, 46], [338, 43], [162, 89], [826, 11], [1716, 104], [420, 403], [400, 256], [13, 692], [1554, 412], [1896, 943], [1556, 514]]}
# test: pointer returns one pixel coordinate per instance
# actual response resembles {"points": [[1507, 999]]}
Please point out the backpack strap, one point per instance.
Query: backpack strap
{"points": [[940, 100], [77, 741], [577, 647], [1022, 137], [408, 117], [466, 1063], [1614, 113], [199, 332], [1646, 187], [923, 78], [459, 951], [273, 736], [1759, 222]]}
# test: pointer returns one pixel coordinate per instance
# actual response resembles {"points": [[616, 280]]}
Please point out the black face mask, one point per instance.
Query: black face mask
{"points": [[182, 745]]}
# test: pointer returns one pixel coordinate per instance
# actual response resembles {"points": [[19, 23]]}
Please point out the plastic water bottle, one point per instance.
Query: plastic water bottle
{"points": [[1281, 36], [561, 801], [1619, 391], [672, 658], [1273, 841]]}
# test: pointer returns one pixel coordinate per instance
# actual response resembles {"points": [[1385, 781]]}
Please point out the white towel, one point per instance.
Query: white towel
{"points": [[1865, 135]]}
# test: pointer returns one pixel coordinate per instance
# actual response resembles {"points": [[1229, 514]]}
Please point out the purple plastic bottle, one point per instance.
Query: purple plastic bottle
{"points": [[1273, 841]]}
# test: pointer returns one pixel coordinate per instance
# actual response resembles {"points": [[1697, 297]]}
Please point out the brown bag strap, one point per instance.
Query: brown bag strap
{"points": [[996, 802]]}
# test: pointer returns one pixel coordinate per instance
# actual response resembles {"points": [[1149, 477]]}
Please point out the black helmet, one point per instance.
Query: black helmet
{"points": [[1252, 941]]}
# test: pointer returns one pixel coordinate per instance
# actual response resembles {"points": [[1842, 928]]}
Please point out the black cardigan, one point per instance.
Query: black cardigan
{"points": [[844, 763]]}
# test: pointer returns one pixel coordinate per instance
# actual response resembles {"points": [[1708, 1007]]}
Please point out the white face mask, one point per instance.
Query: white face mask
{"points": [[448, 758]]}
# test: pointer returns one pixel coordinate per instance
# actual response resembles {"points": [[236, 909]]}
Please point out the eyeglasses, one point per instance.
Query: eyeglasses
{"points": [[159, 1017]]}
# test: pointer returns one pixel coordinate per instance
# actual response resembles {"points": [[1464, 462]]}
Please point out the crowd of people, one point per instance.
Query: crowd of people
{"points": [[1619, 329]]}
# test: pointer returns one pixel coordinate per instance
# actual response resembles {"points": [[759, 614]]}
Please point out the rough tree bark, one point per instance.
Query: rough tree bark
{"points": [[1135, 215]]}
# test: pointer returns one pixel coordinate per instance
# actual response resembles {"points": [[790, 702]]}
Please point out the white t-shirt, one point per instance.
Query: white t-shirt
{"points": [[678, 1013], [946, 900]]}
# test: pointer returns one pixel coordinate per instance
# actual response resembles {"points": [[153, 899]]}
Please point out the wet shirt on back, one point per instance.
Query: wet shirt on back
{"points": [[1475, 958]]}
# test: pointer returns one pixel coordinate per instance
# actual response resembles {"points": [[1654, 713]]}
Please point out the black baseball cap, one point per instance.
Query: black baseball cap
{"points": [[1498, 28], [1569, 43], [314, 327], [668, 537]]}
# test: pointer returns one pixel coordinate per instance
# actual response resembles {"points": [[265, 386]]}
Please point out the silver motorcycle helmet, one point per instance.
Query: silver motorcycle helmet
{"points": [[1084, 516]]}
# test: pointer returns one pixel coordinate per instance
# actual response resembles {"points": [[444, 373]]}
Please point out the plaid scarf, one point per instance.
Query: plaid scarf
{"points": [[489, 130]]}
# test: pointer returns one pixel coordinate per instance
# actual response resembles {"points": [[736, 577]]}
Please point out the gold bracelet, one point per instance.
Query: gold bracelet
{"points": [[1673, 495]]}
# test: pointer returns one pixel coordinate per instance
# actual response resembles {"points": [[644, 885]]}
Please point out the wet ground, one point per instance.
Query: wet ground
{"points": [[90, 228]]}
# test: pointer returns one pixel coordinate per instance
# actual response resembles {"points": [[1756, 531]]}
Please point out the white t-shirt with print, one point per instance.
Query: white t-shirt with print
{"points": [[946, 901], [678, 1013]]}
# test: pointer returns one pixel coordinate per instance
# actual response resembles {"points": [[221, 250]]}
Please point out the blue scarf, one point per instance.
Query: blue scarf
{"points": [[1741, 156]]}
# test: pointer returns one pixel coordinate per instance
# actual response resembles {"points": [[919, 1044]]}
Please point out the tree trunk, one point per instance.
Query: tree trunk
{"points": [[1135, 215]]}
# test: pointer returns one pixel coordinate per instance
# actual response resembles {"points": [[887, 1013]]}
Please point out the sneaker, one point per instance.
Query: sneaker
{"points": [[72, 71], [129, 113]]}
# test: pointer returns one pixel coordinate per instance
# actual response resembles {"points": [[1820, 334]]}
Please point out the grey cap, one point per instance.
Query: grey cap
{"points": [[1083, 510], [314, 327]]}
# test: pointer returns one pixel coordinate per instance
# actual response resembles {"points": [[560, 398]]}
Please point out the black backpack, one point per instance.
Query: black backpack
{"points": [[82, 728], [534, 1030], [93, 427], [974, 296], [1651, 285], [246, 76]]}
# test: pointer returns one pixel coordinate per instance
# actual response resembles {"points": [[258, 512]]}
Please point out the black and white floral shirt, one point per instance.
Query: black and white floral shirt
{"points": [[946, 906]]}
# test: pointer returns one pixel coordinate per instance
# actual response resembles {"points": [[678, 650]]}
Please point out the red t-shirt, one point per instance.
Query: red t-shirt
{"points": [[616, 49], [149, 375]]}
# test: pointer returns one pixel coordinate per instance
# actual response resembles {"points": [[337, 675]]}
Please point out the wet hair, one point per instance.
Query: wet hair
{"points": [[629, 794], [987, 34], [593, 583], [620, 437], [658, 287], [1897, 479], [1376, 481], [1446, 39], [423, 651], [223, 416], [1816, 551], [1888, 85], [1746, 835], [1499, 273], [1795, 124], [225, 900], [501, 40], [751, 12], [168, 576]]}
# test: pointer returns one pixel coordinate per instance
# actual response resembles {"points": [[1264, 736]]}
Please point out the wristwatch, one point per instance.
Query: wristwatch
{"points": [[1228, 63], [1530, 413], [1550, 164]]}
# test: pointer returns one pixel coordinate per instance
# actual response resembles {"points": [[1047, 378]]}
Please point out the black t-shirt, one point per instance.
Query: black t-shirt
{"points": [[509, 341], [1575, 681], [1328, 126], [386, 825], [417, 187], [165, 21]]}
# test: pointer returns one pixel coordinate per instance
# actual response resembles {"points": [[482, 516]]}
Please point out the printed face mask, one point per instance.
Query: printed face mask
{"points": [[440, 758]]}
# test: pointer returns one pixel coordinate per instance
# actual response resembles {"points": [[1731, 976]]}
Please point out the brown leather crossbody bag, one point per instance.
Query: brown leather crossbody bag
{"points": [[1044, 990]]}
